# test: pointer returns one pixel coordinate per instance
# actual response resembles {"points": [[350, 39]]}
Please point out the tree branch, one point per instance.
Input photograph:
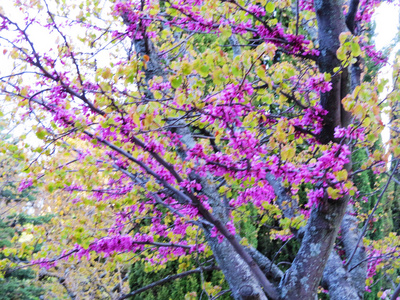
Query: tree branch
{"points": [[167, 279], [337, 280], [364, 230], [350, 17], [396, 293], [43, 274], [350, 234]]}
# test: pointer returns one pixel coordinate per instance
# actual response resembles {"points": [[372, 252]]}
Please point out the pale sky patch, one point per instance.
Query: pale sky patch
{"points": [[387, 27]]}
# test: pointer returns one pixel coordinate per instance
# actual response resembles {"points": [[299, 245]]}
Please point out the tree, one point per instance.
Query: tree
{"points": [[203, 116], [14, 284]]}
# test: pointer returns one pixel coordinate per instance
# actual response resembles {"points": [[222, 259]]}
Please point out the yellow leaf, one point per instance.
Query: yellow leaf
{"points": [[226, 32], [396, 151], [341, 175], [270, 7], [14, 54], [106, 73], [260, 71], [186, 68], [288, 152], [355, 49], [333, 193], [359, 111], [343, 36]]}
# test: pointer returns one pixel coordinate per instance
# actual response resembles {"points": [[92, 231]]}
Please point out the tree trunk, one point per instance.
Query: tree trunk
{"points": [[304, 276]]}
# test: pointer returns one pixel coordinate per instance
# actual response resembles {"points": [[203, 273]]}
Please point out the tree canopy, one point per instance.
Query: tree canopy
{"points": [[207, 137]]}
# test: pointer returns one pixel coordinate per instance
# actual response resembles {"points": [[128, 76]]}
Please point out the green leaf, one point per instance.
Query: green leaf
{"points": [[157, 95], [355, 49], [186, 68], [41, 134], [270, 7], [341, 53], [341, 175], [327, 77], [372, 138], [176, 81], [218, 77], [106, 73], [261, 73], [343, 36], [50, 187], [333, 193], [226, 32], [236, 71], [203, 71]]}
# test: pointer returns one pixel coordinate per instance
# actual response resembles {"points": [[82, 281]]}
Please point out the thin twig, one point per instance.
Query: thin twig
{"points": [[167, 279], [364, 230]]}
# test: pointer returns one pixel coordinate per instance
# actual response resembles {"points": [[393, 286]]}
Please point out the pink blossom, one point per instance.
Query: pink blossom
{"points": [[256, 10], [350, 132], [318, 84], [25, 183]]}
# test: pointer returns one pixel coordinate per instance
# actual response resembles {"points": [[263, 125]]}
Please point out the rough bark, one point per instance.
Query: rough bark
{"points": [[283, 199], [396, 293], [358, 266], [270, 270], [235, 45], [303, 277], [242, 281], [337, 280]]}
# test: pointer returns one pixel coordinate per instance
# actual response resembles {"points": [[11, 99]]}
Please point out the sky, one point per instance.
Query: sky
{"points": [[387, 26], [387, 23]]}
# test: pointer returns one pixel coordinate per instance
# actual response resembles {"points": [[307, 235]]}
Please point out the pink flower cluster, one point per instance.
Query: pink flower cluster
{"points": [[242, 155], [132, 16], [307, 5], [256, 195], [163, 86], [124, 243], [190, 185], [228, 106], [376, 56], [293, 44], [314, 197], [25, 183], [318, 84], [193, 21], [215, 233], [312, 119], [375, 258], [283, 238], [257, 10], [44, 263], [350, 132]]}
